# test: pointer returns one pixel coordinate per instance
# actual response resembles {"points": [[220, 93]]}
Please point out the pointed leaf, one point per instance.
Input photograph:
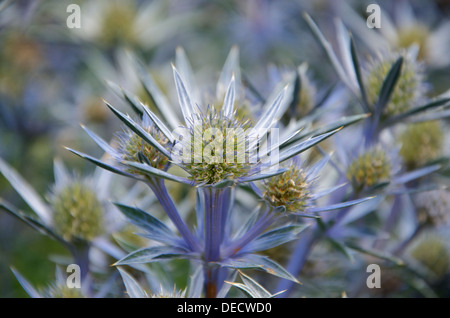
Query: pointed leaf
{"points": [[156, 172], [376, 253], [409, 176], [357, 68], [259, 262], [330, 53], [262, 175], [158, 123], [134, 290], [266, 120], [185, 69], [35, 224], [29, 289], [183, 97], [230, 69], [302, 146], [137, 129], [152, 254], [99, 141], [438, 102], [342, 248], [388, 85], [129, 98], [342, 122], [157, 230], [338, 205], [104, 165], [196, 281], [155, 94], [60, 172], [274, 238], [228, 102], [251, 287], [25, 190]]}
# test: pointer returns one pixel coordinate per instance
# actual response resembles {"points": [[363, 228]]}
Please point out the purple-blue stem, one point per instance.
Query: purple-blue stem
{"points": [[306, 244], [165, 200], [215, 214]]}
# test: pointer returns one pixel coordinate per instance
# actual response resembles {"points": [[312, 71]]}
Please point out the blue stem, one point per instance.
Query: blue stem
{"points": [[306, 244], [165, 200], [215, 213], [298, 260]]}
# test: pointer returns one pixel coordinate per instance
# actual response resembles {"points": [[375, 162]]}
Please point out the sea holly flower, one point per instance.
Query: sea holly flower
{"points": [[75, 213], [290, 189], [295, 190], [218, 152], [421, 143], [405, 27], [76, 206], [429, 255], [369, 169], [398, 96], [410, 89]]}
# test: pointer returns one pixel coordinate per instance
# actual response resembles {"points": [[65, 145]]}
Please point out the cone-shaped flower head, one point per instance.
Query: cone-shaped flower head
{"points": [[409, 89], [290, 189], [214, 144], [369, 169], [421, 142], [77, 212], [134, 148], [218, 148]]}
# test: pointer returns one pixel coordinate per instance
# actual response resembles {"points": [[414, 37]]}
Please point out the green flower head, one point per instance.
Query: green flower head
{"points": [[420, 143], [290, 189], [132, 147], [77, 212], [409, 89], [217, 148], [432, 253], [369, 169]]}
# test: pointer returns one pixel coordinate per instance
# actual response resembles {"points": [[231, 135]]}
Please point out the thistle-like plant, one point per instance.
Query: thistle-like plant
{"points": [[219, 154], [367, 168], [75, 213]]}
